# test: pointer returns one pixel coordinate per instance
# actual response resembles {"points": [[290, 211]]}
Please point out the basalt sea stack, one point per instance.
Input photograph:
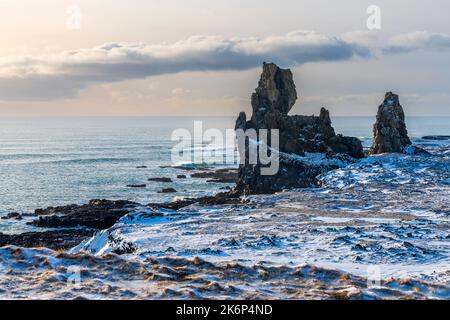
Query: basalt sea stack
{"points": [[389, 131], [308, 145]]}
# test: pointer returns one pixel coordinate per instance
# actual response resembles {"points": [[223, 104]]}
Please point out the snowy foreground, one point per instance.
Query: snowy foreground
{"points": [[378, 228]]}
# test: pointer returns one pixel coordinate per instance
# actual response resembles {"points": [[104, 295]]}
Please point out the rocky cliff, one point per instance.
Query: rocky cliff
{"points": [[299, 137]]}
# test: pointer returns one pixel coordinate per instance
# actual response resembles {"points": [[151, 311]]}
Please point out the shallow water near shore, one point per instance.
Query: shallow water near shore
{"points": [[376, 229]]}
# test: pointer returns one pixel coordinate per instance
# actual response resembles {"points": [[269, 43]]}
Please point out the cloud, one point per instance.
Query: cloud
{"points": [[361, 37], [180, 91], [367, 103], [420, 40], [63, 75]]}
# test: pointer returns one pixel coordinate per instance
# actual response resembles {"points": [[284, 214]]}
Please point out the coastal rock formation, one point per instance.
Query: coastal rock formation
{"points": [[77, 223], [13, 215], [436, 138], [299, 136], [231, 198], [167, 190], [136, 185], [160, 179], [225, 175], [293, 173], [274, 96], [389, 131], [97, 214], [54, 239]]}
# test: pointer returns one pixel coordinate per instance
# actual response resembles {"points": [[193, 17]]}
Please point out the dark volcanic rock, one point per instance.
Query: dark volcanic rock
{"points": [[136, 185], [436, 138], [293, 173], [163, 179], [97, 214], [181, 176], [174, 205], [389, 130], [298, 135], [274, 96], [167, 190], [186, 168], [226, 175], [13, 215], [218, 199], [55, 239]]}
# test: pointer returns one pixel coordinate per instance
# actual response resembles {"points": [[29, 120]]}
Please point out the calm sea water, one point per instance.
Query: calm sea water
{"points": [[47, 162]]}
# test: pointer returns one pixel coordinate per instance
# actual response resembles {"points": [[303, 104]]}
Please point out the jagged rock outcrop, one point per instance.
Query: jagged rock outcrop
{"points": [[389, 131], [53, 239], [97, 214], [274, 97], [298, 136]]}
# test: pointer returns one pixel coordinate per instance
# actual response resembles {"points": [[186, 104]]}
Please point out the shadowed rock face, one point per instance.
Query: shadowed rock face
{"points": [[298, 135], [274, 96], [389, 130], [97, 214]]}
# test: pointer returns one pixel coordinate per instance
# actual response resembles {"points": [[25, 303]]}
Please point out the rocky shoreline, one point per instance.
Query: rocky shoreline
{"points": [[309, 147], [71, 224], [54, 239]]}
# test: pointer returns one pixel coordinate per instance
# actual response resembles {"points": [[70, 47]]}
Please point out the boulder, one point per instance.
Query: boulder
{"points": [[221, 198], [167, 190], [436, 138], [136, 185], [55, 239], [293, 173], [97, 214], [160, 179], [224, 175], [13, 215]]}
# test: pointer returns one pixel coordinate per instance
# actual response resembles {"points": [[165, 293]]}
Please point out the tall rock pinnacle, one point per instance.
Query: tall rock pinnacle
{"points": [[389, 130], [298, 135], [275, 93]]}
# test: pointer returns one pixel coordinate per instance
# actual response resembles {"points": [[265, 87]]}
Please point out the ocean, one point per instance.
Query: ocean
{"points": [[48, 162]]}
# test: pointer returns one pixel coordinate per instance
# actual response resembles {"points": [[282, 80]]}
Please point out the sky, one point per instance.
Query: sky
{"points": [[203, 58]]}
